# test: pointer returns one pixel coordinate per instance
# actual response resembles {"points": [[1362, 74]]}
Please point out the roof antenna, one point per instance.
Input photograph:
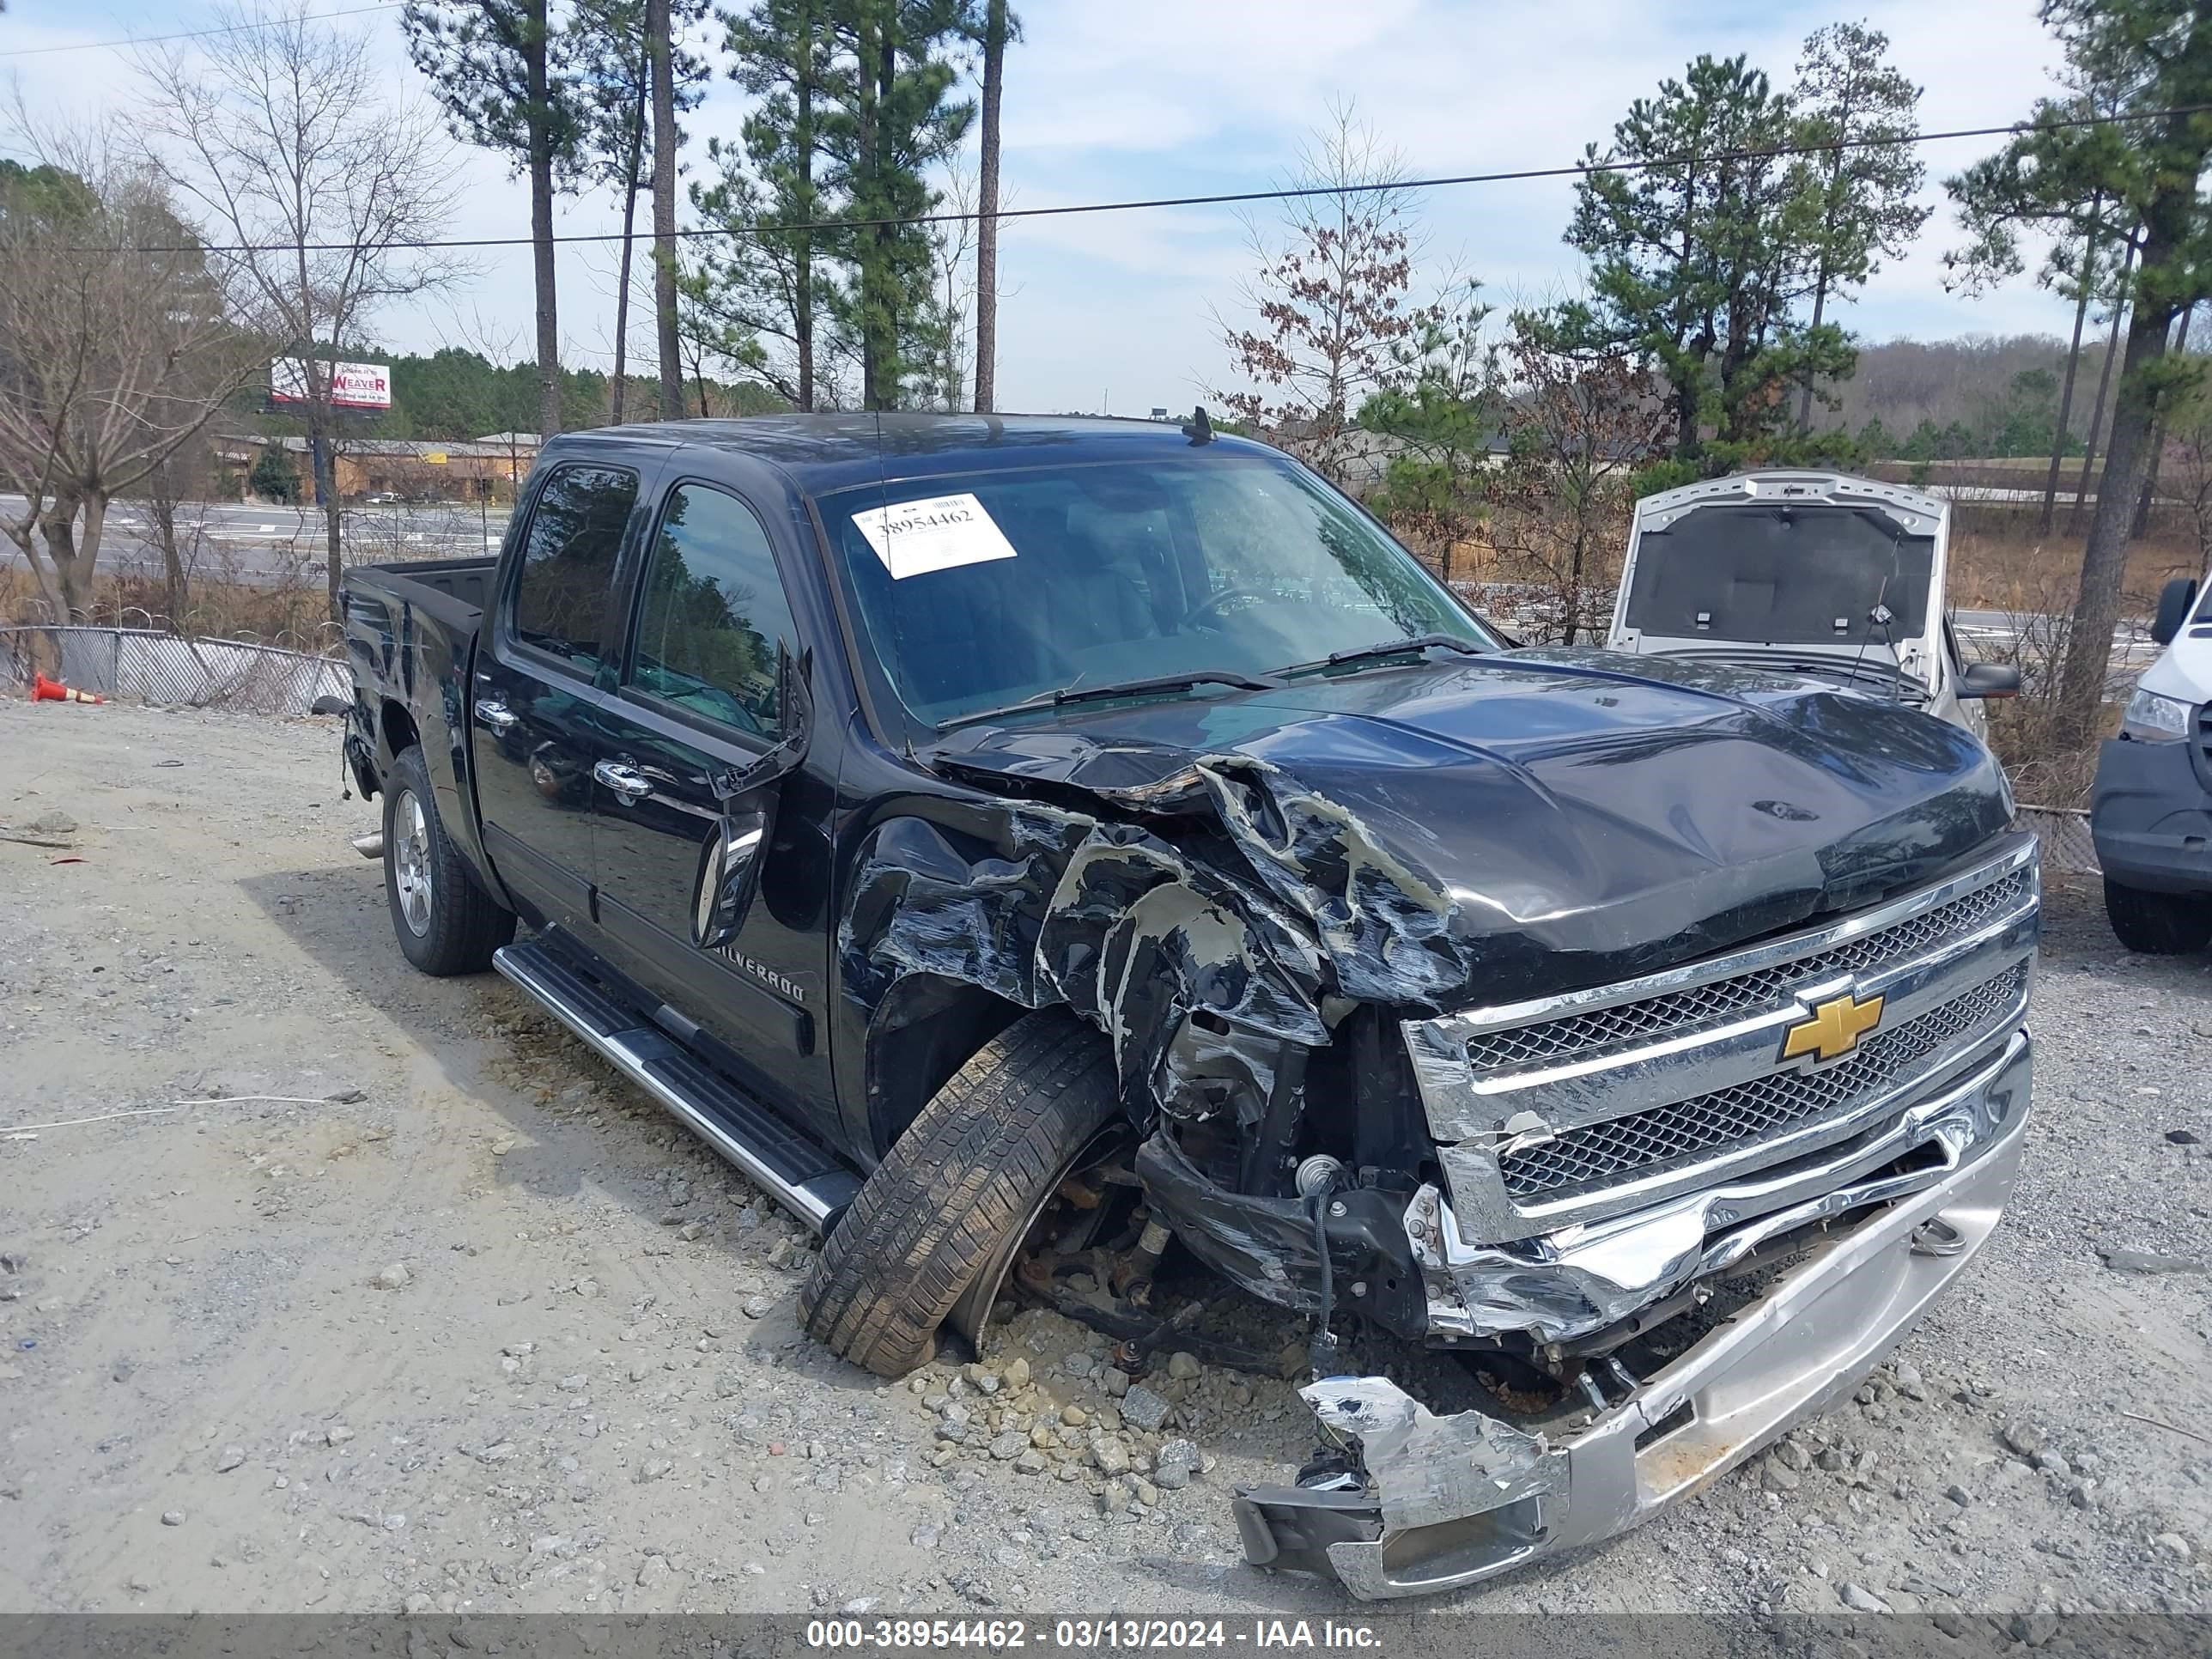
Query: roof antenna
{"points": [[1198, 428]]}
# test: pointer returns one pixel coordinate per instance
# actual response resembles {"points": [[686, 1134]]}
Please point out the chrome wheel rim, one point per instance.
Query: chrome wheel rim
{"points": [[410, 862]]}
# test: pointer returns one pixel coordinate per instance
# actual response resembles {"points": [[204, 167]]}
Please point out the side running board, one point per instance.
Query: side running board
{"points": [[806, 1179]]}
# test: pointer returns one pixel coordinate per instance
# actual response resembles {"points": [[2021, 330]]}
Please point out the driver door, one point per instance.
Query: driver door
{"points": [[702, 701]]}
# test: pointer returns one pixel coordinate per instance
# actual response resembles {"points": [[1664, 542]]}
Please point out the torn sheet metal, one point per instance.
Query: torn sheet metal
{"points": [[1197, 984], [1429, 1469], [1506, 827], [1263, 1245]]}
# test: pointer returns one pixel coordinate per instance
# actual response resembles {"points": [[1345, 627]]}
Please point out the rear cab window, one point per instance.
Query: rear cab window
{"points": [[563, 603]]}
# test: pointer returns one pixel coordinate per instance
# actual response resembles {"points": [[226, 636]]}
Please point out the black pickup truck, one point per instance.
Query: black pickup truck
{"points": [[1024, 845]]}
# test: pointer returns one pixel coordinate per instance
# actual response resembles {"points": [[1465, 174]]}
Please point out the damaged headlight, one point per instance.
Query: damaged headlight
{"points": [[2153, 718]]}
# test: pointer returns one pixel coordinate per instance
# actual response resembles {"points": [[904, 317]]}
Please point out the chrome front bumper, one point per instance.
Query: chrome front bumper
{"points": [[1452, 1500]]}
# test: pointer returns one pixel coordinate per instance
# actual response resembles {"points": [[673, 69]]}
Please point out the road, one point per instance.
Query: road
{"points": [[231, 1111], [263, 545]]}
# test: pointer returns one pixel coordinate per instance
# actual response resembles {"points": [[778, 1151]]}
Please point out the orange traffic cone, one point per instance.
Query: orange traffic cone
{"points": [[45, 691]]}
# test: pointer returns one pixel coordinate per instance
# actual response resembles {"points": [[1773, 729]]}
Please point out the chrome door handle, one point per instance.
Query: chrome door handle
{"points": [[498, 716], [629, 785]]}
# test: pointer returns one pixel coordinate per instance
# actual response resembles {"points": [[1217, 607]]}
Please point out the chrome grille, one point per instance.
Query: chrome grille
{"points": [[1577, 1037], [1602, 1154]]}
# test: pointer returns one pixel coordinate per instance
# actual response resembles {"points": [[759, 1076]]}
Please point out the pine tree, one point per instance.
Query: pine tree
{"points": [[1699, 257], [1859, 204], [495, 65], [613, 68], [767, 284], [890, 114], [2138, 182]]}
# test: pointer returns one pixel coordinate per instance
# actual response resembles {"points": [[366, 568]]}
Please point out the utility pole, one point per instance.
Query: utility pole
{"points": [[661, 49], [986, 224]]}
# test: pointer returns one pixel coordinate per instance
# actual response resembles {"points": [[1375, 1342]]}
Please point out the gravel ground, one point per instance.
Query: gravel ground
{"points": [[460, 1322]]}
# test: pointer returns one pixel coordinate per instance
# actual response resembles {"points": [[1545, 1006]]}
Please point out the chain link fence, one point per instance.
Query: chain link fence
{"points": [[2065, 833], [146, 664]]}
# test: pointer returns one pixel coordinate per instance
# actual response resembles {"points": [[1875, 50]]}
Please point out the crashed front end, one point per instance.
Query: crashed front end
{"points": [[1757, 1094], [1705, 1201]]}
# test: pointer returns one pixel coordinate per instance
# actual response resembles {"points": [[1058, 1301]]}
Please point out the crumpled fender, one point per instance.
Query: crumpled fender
{"points": [[1195, 982]]}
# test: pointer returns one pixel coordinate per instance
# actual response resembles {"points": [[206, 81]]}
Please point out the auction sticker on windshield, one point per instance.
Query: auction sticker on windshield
{"points": [[941, 533]]}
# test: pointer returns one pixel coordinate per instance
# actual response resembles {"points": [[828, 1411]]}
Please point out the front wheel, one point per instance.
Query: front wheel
{"points": [[946, 1211], [2157, 924], [445, 923]]}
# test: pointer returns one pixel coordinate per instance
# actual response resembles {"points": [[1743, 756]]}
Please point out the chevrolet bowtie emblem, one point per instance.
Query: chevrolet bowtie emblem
{"points": [[1834, 1028]]}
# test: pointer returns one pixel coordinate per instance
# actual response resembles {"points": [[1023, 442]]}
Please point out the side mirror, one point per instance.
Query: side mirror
{"points": [[2174, 600], [730, 862], [1988, 679], [729, 871]]}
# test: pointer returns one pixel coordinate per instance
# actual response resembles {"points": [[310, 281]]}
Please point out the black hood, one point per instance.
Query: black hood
{"points": [[1504, 827]]}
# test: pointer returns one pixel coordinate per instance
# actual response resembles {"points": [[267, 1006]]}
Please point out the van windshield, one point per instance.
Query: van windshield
{"points": [[981, 589], [1781, 575]]}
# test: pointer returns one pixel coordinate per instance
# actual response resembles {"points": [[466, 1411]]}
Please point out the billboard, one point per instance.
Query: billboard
{"points": [[352, 386]]}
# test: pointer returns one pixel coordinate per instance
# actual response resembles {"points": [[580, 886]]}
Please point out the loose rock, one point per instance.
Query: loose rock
{"points": [[1175, 1466], [1144, 1409]]}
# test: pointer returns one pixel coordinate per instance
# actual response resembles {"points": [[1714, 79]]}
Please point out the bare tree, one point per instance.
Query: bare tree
{"points": [[1330, 300], [114, 347], [318, 188], [952, 244], [1577, 428]]}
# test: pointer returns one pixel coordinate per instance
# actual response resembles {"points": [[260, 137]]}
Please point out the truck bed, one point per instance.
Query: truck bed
{"points": [[454, 591]]}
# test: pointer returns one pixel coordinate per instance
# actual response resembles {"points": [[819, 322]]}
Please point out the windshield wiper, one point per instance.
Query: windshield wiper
{"points": [[1137, 688], [1388, 648]]}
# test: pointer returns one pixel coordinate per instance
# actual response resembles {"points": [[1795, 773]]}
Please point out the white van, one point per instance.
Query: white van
{"points": [[2151, 810], [1807, 573]]}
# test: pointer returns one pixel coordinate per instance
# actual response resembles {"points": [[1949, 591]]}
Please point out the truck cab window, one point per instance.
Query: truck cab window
{"points": [[564, 591], [713, 613]]}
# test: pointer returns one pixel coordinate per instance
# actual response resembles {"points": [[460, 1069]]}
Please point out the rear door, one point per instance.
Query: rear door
{"points": [[552, 640], [698, 703]]}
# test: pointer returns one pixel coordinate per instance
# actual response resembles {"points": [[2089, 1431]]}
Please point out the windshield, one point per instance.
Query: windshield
{"points": [[1781, 575], [981, 589]]}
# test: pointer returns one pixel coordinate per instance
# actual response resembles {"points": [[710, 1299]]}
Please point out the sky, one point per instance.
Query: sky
{"points": [[1112, 100]]}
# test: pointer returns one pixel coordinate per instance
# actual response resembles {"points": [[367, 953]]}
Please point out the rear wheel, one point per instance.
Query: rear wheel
{"points": [[2158, 924], [945, 1212], [445, 923]]}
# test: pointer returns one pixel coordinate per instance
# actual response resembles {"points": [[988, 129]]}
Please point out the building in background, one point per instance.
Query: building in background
{"points": [[487, 469]]}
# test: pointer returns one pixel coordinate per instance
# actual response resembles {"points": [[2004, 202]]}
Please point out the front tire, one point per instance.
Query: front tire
{"points": [[950, 1202], [2157, 924], [445, 923]]}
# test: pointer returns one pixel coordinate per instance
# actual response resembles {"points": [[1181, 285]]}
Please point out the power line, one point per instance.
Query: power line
{"points": [[1573, 170], [188, 34]]}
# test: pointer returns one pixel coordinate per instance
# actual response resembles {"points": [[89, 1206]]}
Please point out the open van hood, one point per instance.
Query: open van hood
{"points": [[1774, 570]]}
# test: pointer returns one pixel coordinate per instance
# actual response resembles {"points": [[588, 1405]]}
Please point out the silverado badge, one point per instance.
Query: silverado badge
{"points": [[1833, 1029]]}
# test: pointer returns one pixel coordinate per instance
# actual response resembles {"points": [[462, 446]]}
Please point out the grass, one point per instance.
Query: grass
{"points": [[2000, 562], [294, 614]]}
